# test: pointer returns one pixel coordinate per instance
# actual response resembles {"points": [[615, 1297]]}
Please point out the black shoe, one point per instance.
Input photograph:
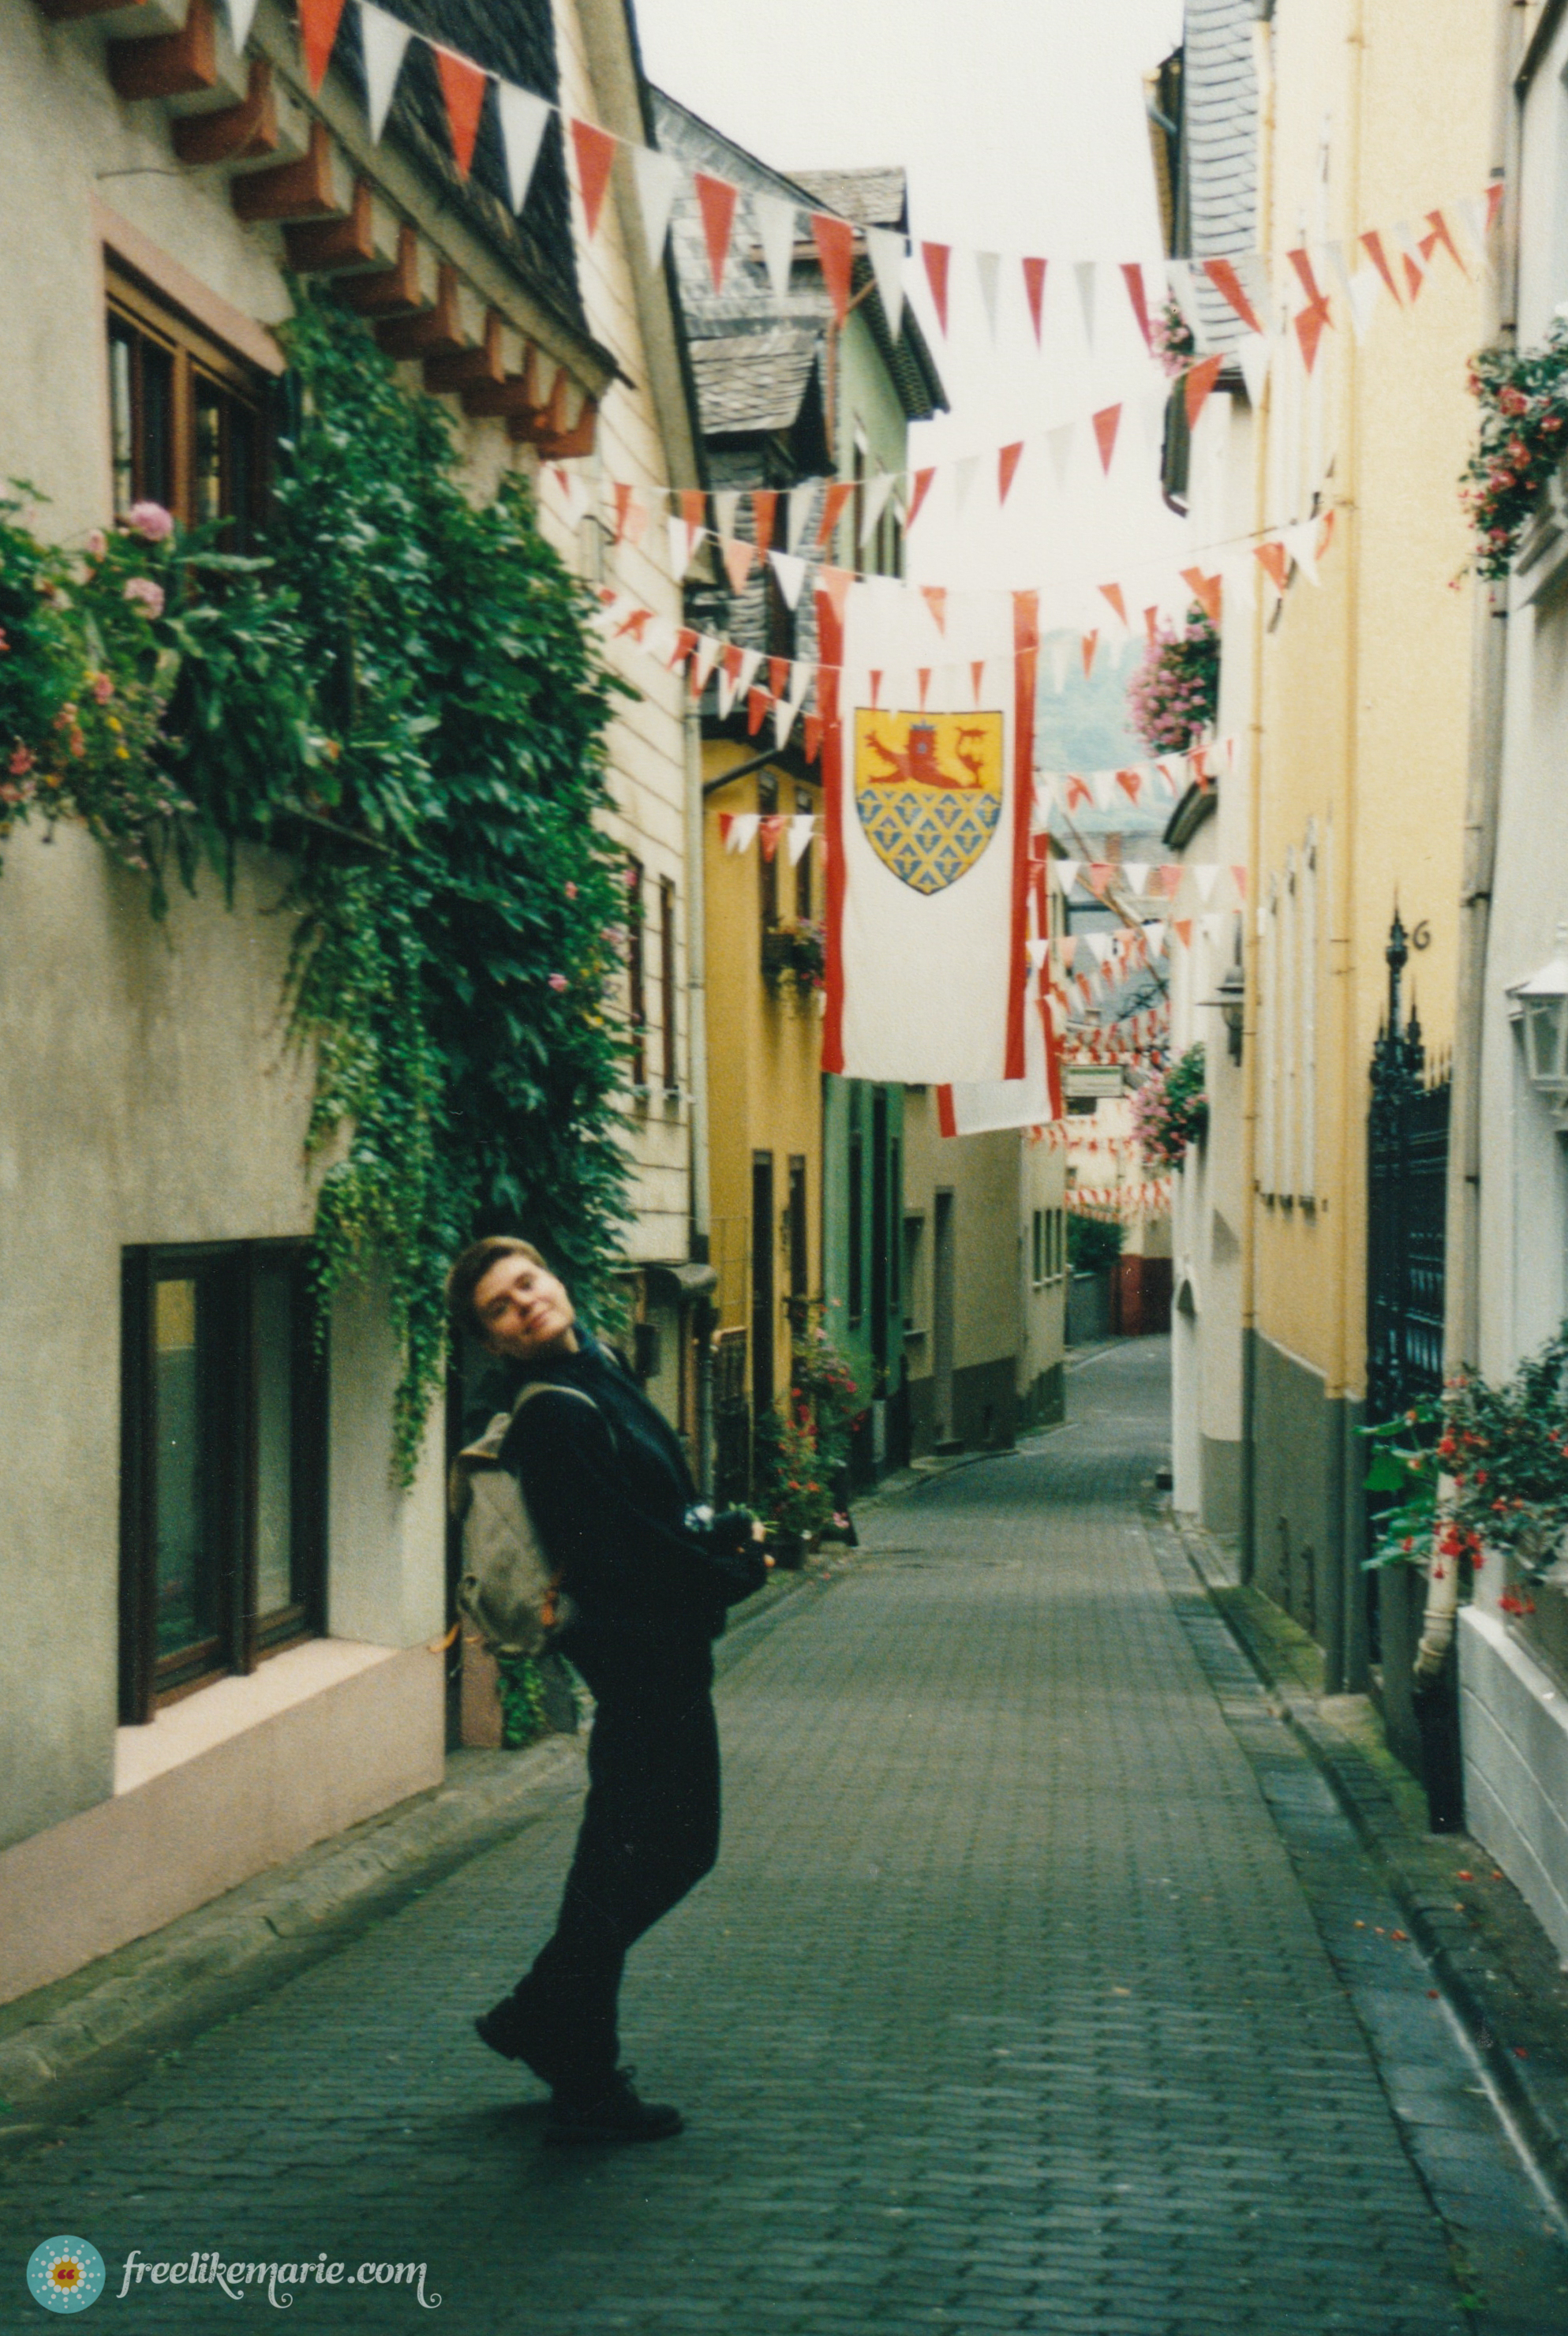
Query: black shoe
{"points": [[508, 2029], [610, 2115]]}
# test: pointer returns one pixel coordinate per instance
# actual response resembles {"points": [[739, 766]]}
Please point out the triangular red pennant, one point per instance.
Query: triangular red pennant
{"points": [[1035, 292], [738, 556], [1206, 591], [462, 85], [1198, 387], [1131, 783], [1151, 623], [756, 705], [834, 584], [778, 676], [1414, 277], [684, 642], [1091, 641], [814, 739], [1494, 203], [922, 489], [1133, 277], [318, 23], [923, 683], [936, 256], [1315, 316], [1113, 593], [1443, 234], [715, 200], [875, 678], [935, 597], [595, 151], [1372, 245], [1007, 462], [1276, 562], [1107, 421], [622, 508], [768, 830], [838, 493], [835, 242], [764, 506], [978, 676], [1222, 274]]}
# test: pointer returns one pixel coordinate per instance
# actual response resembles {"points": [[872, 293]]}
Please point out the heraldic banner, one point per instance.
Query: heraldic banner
{"points": [[928, 785], [981, 1107]]}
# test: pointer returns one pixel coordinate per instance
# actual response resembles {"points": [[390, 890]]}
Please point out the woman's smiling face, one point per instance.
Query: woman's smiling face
{"points": [[522, 1310]]}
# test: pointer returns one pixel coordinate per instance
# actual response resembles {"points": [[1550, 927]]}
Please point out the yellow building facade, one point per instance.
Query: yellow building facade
{"points": [[1372, 114], [764, 1087]]}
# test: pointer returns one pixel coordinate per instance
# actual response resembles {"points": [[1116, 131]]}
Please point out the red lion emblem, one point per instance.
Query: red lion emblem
{"points": [[920, 767]]}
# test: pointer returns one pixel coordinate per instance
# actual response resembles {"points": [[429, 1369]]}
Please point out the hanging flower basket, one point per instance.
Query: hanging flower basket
{"points": [[1522, 394], [1170, 1111], [1171, 338], [1173, 697], [797, 953]]}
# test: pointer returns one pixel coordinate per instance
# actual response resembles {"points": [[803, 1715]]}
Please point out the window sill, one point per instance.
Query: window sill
{"points": [[228, 1708]]}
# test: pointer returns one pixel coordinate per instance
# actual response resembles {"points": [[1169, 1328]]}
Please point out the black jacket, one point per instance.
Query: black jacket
{"points": [[608, 1491]]}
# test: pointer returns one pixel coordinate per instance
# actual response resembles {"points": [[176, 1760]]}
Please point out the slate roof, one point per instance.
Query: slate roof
{"points": [[751, 380], [516, 39], [868, 198], [1219, 147]]}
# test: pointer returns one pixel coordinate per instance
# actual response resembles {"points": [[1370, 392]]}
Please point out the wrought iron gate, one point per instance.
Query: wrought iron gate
{"points": [[1407, 1206]]}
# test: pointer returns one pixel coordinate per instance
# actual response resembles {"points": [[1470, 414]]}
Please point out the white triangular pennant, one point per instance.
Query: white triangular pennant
{"points": [[790, 573], [786, 708], [799, 836], [802, 504], [743, 829], [1086, 272], [386, 44], [1205, 875], [1136, 872], [709, 648], [1059, 446], [726, 510], [241, 15], [886, 248], [683, 543], [878, 489], [1253, 355], [659, 178], [775, 227], [523, 117], [1068, 873], [987, 265], [1301, 542]]}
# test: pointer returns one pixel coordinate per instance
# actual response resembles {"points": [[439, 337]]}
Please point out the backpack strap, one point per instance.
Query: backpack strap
{"points": [[549, 1612]]}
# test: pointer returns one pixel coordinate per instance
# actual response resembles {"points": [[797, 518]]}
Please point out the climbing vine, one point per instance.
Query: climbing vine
{"points": [[401, 692]]}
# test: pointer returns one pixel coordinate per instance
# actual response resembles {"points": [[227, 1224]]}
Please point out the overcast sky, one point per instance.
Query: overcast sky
{"points": [[1021, 125]]}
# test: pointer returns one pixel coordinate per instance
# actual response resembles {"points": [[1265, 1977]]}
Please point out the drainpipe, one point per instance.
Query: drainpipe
{"points": [[696, 1073], [1251, 956], [1489, 660]]}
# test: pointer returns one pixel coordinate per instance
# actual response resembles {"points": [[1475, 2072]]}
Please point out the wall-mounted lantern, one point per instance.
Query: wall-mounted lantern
{"points": [[1541, 1007], [1230, 1001]]}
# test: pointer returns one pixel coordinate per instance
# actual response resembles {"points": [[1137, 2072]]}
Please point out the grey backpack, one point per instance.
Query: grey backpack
{"points": [[506, 1589]]}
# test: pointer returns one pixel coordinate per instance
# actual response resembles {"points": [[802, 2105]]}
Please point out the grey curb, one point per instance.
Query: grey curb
{"points": [[1533, 2078], [67, 2047]]}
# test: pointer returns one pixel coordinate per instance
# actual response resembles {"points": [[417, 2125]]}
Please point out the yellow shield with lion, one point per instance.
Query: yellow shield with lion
{"points": [[929, 792]]}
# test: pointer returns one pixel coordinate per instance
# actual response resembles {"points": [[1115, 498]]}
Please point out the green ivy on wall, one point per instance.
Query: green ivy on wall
{"points": [[402, 694]]}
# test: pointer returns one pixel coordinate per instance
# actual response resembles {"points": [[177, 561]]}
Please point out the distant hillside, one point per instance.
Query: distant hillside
{"points": [[1084, 728]]}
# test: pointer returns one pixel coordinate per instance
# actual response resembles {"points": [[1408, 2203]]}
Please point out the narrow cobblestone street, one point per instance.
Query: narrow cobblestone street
{"points": [[1025, 1996]]}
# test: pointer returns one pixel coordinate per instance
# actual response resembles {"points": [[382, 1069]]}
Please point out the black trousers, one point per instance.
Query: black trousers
{"points": [[649, 1833]]}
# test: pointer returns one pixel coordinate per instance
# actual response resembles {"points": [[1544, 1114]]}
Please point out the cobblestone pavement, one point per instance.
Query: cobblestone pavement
{"points": [[1014, 2004]]}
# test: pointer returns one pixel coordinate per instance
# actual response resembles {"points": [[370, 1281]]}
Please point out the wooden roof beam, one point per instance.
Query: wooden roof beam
{"points": [[389, 291], [447, 376], [436, 332], [324, 247], [292, 190], [170, 64], [248, 128]]}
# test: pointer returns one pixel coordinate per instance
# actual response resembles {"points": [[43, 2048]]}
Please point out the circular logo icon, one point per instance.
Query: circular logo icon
{"points": [[65, 2274]]}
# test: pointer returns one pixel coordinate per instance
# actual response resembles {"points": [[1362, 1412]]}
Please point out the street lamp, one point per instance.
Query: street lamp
{"points": [[1231, 1002], [1541, 1005]]}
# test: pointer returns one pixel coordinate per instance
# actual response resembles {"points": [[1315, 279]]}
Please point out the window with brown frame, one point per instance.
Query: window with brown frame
{"points": [[667, 988], [636, 973], [189, 423], [766, 860], [223, 1466]]}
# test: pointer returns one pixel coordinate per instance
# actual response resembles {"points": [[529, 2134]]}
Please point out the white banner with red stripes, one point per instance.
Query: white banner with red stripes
{"points": [[928, 810]]}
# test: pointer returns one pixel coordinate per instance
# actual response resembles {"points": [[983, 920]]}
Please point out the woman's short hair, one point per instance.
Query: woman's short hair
{"points": [[470, 1270]]}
